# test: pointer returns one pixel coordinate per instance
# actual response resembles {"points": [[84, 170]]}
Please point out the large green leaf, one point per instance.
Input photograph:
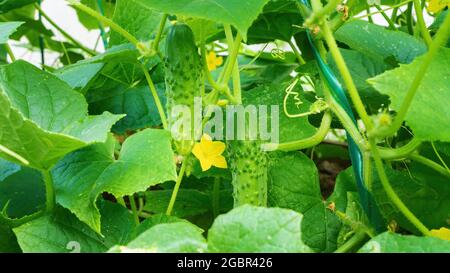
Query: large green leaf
{"points": [[62, 232], [22, 192], [139, 22], [6, 29], [294, 184], [380, 43], [240, 14], [157, 219], [7, 5], [88, 21], [395, 243], [42, 118], [136, 102], [146, 159], [8, 240], [178, 237], [257, 229], [362, 68], [79, 77], [290, 129], [428, 114]]}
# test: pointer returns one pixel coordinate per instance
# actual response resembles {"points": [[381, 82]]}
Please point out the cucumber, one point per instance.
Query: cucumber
{"points": [[184, 79], [248, 165]]}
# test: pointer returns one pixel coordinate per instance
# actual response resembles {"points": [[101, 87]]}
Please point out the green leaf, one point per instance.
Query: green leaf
{"points": [[362, 68], [139, 22], [43, 119], [79, 77], [290, 129], [189, 202], [146, 159], [179, 237], [395, 243], [294, 184], [8, 241], [156, 220], [240, 14], [7, 5], [22, 193], [257, 229], [378, 42], [62, 232], [6, 29], [136, 102], [277, 22], [426, 115], [89, 22]]}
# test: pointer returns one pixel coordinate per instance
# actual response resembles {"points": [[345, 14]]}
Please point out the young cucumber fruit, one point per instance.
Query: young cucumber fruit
{"points": [[184, 81], [248, 165]]}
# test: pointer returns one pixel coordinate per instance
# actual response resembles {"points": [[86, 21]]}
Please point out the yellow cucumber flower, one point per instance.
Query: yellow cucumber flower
{"points": [[213, 61], [442, 233], [209, 153], [437, 5]]}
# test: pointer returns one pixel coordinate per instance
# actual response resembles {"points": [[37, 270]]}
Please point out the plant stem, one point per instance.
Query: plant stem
{"points": [[158, 103], [439, 40], [409, 19], [14, 155], [399, 153], [391, 193], [430, 163], [439, 156], [134, 209], [236, 75], [216, 197], [162, 24], [388, 20], [232, 57], [173, 198], [106, 21], [50, 199], [353, 242], [320, 13], [63, 32], [346, 76], [209, 77], [297, 53], [10, 52], [304, 143], [421, 22]]}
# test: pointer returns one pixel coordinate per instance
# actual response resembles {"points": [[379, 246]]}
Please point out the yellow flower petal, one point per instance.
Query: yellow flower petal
{"points": [[442, 233], [209, 153], [437, 5], [213, 61], [220, 162]]}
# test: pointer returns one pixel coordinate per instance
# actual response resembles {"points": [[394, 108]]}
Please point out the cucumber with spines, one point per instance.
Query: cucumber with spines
{"points": [[184, 79]]}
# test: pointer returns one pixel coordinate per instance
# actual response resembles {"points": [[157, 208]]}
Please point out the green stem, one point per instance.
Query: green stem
{"points": [[353, 242], [232, 57], [346, 76], [235, 74], [297, 53], [162, 24], [158, 103], [209, 77], [401, 152], [439, 156], [50, 199], [106, 21], [369, 15], [63, 32], [439, 40], [134, 209], [409, 19], [173, 198], [314, 140], [388, 20], [216, 197], [394, 14], [14, 155], [430, 163], [10, 52], [320, 13], [391, 193], [421, 22]]}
